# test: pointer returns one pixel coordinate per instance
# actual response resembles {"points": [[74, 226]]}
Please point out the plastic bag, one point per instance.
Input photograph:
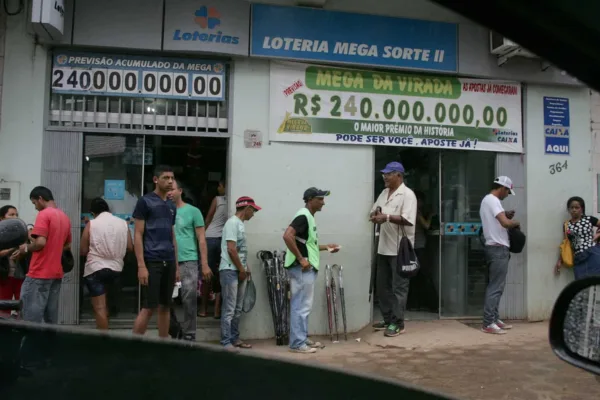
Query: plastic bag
{"points": [[250, 297]]}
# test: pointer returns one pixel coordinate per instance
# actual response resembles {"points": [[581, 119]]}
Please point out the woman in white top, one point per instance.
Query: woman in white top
{"points": [[215, 220], [105, 241]]}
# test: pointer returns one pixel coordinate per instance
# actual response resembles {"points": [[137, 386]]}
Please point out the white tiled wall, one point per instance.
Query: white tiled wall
{"points": [[595, 118]]}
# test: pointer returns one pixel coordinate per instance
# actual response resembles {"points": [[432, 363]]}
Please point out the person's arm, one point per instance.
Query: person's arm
{"points": [[177, 272], [84, 246], [129, 241], [211, 212], [408, 216], [38, 237], [235, 257], [289, 237], [201, 235], [505, 221], [139, 214], [425, 222]]}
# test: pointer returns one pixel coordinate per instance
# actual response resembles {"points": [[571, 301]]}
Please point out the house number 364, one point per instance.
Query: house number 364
{"points": [[558, 167]]}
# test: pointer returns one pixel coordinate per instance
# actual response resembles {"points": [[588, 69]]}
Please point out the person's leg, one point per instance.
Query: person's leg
{"points": [[189, 299], [214, 258], [235, 321], [497, 258], [384, 291], [149, 298], [229, 288], [400, 287], [34, 294], [97, 292], [51, 311], [167, 283], [6, 293], [16, 286]]}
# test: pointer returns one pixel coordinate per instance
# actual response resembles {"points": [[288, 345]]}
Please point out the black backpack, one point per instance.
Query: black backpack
{"points": [[516, 239]]}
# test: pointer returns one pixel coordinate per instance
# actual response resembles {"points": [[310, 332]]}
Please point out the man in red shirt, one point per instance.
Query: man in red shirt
{"points": [[50, 236]]}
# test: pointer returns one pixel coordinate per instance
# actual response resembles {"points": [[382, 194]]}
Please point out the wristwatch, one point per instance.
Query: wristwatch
{"points": [[388, 217]]}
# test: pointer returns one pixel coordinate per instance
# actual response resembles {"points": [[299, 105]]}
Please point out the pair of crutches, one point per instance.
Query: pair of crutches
{"points": [[332, 308]]}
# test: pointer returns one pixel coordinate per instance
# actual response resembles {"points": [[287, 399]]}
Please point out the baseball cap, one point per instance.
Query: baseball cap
{"points": [[313, 192], [506, 182], [393, 167], [246, 201]]}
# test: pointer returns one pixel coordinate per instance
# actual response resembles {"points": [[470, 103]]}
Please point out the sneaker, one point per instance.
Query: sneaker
{"points": [[231, 348], [304, 349], [189, 338], [393, 330], [380, 326], [314, 345], [502, 325], [494, 329]]}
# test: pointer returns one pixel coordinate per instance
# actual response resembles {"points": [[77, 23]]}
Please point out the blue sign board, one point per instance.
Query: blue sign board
{"points": [[462, 228], [114, 189], [331, 36], [557, 124]]}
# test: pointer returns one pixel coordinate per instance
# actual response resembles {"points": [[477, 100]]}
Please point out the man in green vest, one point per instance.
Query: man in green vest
{"points": [[302, 262]]}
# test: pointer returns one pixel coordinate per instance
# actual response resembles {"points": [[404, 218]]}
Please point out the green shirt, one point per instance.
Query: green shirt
{"points": [[233, 231], [187, 220], [312, 243]]}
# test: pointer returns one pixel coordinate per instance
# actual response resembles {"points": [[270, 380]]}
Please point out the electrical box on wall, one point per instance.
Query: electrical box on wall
{"points": [[48, 19], [9, 193]]}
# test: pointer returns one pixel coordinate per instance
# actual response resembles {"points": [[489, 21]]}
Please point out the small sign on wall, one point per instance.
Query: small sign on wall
{"points": [[556, 125], [114, 189], [253, 139]]}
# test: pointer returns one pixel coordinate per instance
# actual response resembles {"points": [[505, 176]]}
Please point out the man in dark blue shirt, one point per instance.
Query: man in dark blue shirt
{"points": [[156, 252]]}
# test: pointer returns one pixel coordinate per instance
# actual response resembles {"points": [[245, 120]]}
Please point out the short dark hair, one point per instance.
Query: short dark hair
{"points": [[161, 169], [41, 191], [4, 210], [579, 200], [99, 205], [497, 186]]}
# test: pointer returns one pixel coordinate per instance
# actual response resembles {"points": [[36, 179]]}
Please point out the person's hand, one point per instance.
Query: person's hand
{"points": [[510, 214], [19, 252], [143, 275], [4, 253], [242, 276], [379, 218], [305, 264], [206, 272], [334, 248], [557, 268]]}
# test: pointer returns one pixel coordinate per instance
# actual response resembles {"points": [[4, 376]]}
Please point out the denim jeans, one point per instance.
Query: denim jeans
{"points": [[303, 291], [40, 300], [232, 301], [189, 296], [497, 258], [392, 290], [587, 263]]}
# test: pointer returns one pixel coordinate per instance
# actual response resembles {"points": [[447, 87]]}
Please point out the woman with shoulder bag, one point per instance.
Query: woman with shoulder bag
{"points": [[579, 249]]}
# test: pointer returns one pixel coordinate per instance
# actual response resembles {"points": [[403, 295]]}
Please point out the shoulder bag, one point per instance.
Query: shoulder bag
{"points": [[566, 250]]}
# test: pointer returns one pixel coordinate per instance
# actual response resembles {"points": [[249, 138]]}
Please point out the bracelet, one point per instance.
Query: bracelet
{"points": [[388, 218]]}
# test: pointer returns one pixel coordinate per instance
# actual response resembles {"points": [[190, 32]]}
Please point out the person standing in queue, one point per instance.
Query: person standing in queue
{"points": [[234, 272], [302, 261], [51, 234], [398, 207], [12, 271], [215, 221], [496, 222], [189, 231], [155, 247]]}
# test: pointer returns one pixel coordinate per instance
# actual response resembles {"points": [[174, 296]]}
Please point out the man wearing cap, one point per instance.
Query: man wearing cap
{"points": [[234, 272], [395, 206], [302, 262], [496, 222]]}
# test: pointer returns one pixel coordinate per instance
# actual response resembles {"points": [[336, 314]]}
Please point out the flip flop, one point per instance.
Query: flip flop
{"points": [[243, 345], [201, 315]]}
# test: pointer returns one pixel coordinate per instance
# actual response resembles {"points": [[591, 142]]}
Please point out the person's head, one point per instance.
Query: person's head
{"points": [[576, 207], [163, 178], [246, 207], [315, 199], [502, 187], [8, 212], [41, 197], [393, 175], [176, 193], [221, 188], [98, 206]]}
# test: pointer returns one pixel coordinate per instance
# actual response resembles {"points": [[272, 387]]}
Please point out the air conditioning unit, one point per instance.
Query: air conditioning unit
{"points": [[504, 47]]}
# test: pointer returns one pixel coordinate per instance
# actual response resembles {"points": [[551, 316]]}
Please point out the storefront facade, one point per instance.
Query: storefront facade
{"points": [[298, 106]]}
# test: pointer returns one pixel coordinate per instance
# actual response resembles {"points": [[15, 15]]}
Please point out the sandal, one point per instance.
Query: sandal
{"points": [[201, 315], [243, 345]]}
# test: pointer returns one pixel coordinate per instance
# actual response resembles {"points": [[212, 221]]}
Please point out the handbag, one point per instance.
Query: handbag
{"points": [[408, 265], [566, 250], [67, 261]]}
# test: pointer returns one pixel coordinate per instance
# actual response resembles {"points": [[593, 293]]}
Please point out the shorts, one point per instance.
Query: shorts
{"points": [[214, 259], [96, 283], [161, 281]]}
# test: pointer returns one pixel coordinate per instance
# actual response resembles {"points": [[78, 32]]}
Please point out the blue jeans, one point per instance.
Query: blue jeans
{"points": [[587, 263], [497, 258], [232, 301], [40, 300], [303, 291], [189, 296]]}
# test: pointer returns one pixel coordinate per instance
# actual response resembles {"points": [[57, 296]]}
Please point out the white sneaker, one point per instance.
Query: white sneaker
{"points": [[493, 329], [314, 345], [304, 349]]}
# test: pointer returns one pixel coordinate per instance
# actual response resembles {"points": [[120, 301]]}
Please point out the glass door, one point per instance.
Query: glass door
{"points": [[466, 177], [113, 168]]}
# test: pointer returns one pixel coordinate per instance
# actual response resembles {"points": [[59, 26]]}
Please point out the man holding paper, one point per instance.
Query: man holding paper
{"points": [[302, 262]]}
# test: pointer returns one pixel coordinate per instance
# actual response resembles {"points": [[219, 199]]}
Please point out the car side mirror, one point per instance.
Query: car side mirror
{"points": [[575, 325]]}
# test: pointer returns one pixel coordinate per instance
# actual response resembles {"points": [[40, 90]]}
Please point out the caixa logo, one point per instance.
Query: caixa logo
{"points": [[209, 19], [506, 136]]}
